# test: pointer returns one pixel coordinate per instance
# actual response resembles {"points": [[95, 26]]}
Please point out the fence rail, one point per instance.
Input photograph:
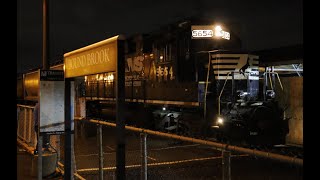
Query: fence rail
{"points": [[218, 146]]}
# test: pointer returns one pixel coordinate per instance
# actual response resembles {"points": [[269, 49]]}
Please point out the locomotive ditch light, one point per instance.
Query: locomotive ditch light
{"points": [[220, 120]]}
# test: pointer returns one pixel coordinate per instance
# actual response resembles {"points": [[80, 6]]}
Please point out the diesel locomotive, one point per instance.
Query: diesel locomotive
{"points": [[179, 83]]}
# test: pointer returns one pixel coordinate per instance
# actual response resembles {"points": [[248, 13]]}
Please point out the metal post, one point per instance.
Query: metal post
{"points": [[226, 165], [39, 157], [30, 124], [73, 161], [45, 50], [67, 145], [120, 123], [100, 152], [25, 124], [45, 35], [143, 138], [58, 143]]}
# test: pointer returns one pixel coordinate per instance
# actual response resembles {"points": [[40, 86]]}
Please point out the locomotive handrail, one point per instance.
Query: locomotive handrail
{"points": [[206, 90], [270, 78], [218, 146], [223, 89], [221, 92]]}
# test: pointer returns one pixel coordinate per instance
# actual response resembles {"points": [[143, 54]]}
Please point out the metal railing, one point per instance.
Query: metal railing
{"points": [[225, 149], [27, 137], [25, 124]]}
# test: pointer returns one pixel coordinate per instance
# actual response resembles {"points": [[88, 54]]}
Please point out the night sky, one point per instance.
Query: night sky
{"points": [[261, 24]]}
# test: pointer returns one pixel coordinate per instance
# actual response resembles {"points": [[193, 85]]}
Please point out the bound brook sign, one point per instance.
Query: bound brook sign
{"points": [[96, 58]]}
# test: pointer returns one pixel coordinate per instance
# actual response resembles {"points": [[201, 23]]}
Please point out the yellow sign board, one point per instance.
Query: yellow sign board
{"points": [[96, 58]]}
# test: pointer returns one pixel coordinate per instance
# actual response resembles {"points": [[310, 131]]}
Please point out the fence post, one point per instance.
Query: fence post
{"points": [[226, 165], [100, 152], [73, 158], [40, 141], [143, 137]]}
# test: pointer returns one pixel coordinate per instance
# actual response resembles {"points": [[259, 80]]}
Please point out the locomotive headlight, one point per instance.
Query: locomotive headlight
{"points": [[220, 121]]}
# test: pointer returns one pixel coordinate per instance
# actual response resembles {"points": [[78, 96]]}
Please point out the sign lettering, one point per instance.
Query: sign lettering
{"points": [[97, 58]]}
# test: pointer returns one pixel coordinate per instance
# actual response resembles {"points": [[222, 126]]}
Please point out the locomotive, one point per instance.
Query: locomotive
{"points": [[199, 87]]}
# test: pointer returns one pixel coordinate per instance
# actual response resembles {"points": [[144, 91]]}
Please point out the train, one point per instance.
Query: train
{"points": [[181, 79]]}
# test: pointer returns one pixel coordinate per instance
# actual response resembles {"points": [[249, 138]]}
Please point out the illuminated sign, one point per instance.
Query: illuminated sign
{"points": [[207, 32], [202, 33], [96, 58]]}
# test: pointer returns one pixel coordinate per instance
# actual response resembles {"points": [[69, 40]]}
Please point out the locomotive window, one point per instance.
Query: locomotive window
{"points": [[165, 53], [131, 47], [202, 66], [147, 46]]}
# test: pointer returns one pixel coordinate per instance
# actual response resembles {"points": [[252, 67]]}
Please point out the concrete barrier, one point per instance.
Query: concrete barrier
{"points": [[49, 164]]}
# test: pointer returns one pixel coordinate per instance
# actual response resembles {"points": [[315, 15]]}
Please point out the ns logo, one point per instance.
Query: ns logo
{"points": [[135, 64]]}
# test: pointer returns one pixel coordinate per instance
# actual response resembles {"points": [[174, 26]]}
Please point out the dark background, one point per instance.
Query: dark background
{"points": [[261, 24]]}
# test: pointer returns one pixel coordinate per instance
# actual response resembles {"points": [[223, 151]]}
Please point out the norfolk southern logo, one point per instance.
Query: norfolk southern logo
{"points": [[243, 69], [44, 73], [250, 69]]}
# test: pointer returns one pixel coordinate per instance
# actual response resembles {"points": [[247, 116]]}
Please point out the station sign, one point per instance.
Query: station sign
{"points": [[51, 75], [209, 32], [93, 59]]}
